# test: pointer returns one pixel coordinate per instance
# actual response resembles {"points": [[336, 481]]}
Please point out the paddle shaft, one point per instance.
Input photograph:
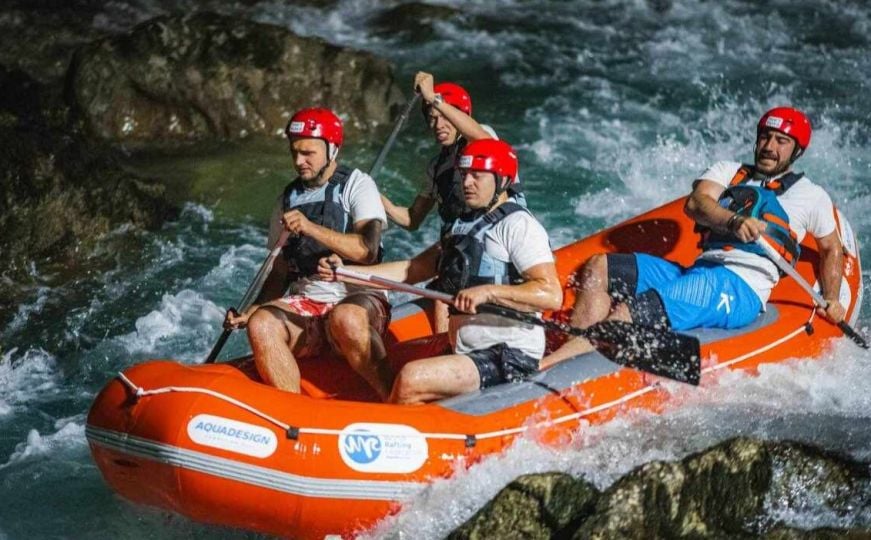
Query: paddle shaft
{"points": [[657, 351], [788, 269], [250, 293], [379, 160], [448, 299]]}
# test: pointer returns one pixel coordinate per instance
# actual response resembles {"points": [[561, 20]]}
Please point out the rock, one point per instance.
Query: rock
{"points": [[413, 21], [205, 76], [532, 506], [734, 490], [40, 39], [59, 191], [714, 493]]}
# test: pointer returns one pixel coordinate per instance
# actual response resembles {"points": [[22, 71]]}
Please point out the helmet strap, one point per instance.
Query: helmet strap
{"points": [[501, 186]]}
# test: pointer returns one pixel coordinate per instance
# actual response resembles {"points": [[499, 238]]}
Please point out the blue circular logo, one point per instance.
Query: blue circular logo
{"points": [[362, 447]]}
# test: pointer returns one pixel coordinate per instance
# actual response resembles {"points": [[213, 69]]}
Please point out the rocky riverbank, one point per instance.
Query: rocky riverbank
{"points": [[82, 96], [735, 489]]}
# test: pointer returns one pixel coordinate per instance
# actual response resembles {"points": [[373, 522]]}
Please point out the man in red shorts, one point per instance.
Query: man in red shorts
{"points": [[328, 209]]}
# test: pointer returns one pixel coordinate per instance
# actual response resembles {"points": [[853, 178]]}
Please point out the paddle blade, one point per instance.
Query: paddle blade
{"points": [[657, 351]]}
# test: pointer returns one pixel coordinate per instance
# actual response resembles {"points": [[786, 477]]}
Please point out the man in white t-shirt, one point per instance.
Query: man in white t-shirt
{"points": [[731, 280], [328, 209], [495, 253]]}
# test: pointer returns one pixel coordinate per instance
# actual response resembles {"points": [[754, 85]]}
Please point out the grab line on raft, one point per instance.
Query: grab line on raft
{"points": [[142, 392]]}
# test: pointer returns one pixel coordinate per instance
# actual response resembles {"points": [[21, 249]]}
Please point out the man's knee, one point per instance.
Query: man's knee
{"points": [[406, 385], [349, 321], [594, 274], [265, 325]]}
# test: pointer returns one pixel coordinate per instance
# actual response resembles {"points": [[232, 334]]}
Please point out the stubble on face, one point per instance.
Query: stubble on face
{"points": [[774, 152]]}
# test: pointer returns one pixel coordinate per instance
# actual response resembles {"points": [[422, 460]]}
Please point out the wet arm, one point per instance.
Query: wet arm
{"points": [[466, 126], [420, 268], [360, 246], [541, 290], [831, 265], [703, 208], [408, 217]]}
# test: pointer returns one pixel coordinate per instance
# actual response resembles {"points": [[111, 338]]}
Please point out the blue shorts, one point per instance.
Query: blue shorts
{"points": [[705, 295]]}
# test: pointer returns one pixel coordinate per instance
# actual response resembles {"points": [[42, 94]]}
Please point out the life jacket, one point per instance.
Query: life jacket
{"points": [[758, 202], [324, 208], [464, 262], [448, 182]]}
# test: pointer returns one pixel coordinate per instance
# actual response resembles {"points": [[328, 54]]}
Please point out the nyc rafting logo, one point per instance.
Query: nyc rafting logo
{"points": [[232, 435], [384, 448]]}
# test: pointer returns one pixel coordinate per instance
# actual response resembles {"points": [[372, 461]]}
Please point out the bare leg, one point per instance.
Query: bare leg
{"points": [[441, 315], [273, 334], [592, 305], [360, 345], [435, 378]]}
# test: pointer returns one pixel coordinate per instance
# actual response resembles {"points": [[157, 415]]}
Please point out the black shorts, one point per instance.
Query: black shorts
{"points": [[645, 308], [500, 364]]}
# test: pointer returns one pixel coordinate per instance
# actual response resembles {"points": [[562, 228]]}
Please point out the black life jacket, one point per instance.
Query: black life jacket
{"points": [[464, 262], [322, 207], [448, 182], [760, 203]]}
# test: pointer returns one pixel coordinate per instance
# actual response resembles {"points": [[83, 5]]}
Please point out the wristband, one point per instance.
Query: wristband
{"points": [[437, 99], [730, 225]]}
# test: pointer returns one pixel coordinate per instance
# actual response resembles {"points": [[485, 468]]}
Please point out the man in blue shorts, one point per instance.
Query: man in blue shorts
{"points": [[731, 280]]}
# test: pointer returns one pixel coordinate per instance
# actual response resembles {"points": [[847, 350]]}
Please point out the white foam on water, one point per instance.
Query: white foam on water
{"points": [[780, 402], [27, 310], [70, 435], [25, 378], [183, 323]]}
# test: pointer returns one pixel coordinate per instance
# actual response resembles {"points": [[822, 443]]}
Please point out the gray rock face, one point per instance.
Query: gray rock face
{"points": [[57, 190], [205, 76], [733, 490], [532, 506]]}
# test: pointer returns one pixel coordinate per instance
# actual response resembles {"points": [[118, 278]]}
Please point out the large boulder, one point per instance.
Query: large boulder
{"points": [[735, 490], [59, 191], [532, 506], [203, 75]]}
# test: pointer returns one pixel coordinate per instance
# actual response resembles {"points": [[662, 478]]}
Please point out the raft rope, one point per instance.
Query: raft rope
{"points": [[469, 439]]}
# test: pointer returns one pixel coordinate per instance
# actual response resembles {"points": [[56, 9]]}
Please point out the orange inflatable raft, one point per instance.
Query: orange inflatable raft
{"points": [[212, 443]]}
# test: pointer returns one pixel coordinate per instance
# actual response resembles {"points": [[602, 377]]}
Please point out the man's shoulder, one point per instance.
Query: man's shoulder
{"points": [[721, 172], [807, 188]]}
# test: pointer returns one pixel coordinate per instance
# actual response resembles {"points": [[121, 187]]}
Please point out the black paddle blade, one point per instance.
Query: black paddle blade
{"points": [[657, 351], [852, 334]]}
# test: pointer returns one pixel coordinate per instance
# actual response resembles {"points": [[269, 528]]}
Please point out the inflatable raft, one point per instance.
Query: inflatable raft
{"points": [[214, 444]]}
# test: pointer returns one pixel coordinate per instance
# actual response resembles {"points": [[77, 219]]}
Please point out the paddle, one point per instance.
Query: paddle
{"points": [[787, 268], [379, 160], [658, 351], [250, 293], [255, 286]]}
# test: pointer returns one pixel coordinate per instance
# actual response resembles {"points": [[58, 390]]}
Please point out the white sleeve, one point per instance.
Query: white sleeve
{"points": [[489, 130], [362, 200], [821, 219], [525, 241], [275, 226], [721, 172]]}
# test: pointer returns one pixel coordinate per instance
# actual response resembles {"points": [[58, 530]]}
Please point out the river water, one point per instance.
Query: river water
{"points": [[614, 106]]}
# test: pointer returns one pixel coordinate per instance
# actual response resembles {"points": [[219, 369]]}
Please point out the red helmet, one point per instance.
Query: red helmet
{"points": [[490, 155], [455, 95], [317, 123], [789, 121]]}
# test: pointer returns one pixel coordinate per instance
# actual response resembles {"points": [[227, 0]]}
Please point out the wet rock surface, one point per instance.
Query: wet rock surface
{"points": [[532, 506], [205, 75], [58, 190], [738, 489]]}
